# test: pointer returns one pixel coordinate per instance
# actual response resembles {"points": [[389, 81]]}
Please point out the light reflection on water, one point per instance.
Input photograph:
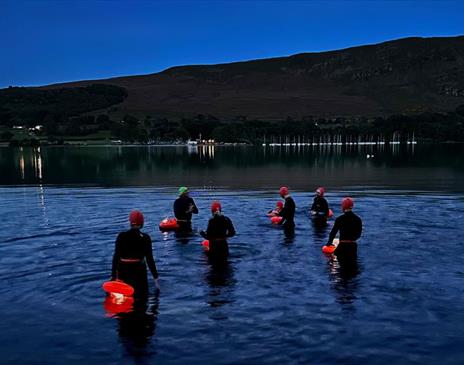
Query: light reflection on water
{"points": [[412, 167], [277, 301]]}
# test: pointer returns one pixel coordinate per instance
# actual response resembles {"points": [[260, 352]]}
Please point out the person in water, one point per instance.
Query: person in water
{"points": [[350, 227], [288, 211], [276, 210], [320, 207], [132, 254], [219, 229], [184, 207]]}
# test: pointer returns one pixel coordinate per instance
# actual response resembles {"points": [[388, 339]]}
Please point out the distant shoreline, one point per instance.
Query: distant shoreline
{"points": [[7, 144], [84, 145]]}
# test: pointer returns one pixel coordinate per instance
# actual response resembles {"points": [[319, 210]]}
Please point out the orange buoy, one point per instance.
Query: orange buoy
{"points": [[169, 224], [276, 220], [118, 287], [115, 304], [328, 249], [205, 245], [332, 247]]}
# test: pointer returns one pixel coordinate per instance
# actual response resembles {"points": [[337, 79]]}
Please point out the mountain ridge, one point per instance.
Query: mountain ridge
{"points": [[404, 76]]}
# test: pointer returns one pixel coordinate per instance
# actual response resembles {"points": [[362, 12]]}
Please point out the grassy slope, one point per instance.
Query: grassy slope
{"points": [[404, 76]]}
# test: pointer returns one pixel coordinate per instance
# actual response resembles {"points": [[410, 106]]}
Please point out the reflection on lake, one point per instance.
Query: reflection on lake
{"points": [[419, 167], [278, 300]]}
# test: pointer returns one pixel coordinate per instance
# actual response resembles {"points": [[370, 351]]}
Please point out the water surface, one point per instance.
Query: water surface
{"points": [[279, 300], [410, 167]]}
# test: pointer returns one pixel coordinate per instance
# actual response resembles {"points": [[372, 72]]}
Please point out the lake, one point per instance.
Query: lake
{"points": [[409, 167], [278, 300]]}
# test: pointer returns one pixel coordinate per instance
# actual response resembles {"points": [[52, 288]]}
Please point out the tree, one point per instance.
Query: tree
{"points": [[130, 120], [7, 135]]}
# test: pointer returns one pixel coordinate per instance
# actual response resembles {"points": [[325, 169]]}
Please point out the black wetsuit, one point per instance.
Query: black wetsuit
{"points": [[184, 206], [350, 227], [219, 229], [320, 206], [132, 254], [288, 213]]}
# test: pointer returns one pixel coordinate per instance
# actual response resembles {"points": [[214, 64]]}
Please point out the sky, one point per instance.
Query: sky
{"points": [[44, 42]]}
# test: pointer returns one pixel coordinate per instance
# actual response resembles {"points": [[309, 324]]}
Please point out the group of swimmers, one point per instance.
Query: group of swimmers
{"points": [[133, 248]]}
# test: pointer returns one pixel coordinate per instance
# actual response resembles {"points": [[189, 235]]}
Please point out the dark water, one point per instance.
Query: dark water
{"points": [[410, 167], [278, 301]]}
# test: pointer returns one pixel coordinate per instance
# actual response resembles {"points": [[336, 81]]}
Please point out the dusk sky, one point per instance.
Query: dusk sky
{"points": [[47, 42]]}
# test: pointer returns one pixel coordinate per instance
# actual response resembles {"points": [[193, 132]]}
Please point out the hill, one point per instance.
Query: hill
{"points": [[406, 76]]}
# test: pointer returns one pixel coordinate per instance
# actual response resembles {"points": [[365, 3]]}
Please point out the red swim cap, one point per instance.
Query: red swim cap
{"points": [[215, 206], [347, 203], [283, 191], [136, 218], [320, 191], [280, 204]]}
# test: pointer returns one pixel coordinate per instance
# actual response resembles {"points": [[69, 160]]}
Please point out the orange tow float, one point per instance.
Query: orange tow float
{"points": [[169, 224], [276, 219], [119, 298], [330, 249], [205, 245]]}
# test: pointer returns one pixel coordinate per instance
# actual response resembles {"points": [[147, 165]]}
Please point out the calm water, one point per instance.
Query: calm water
{"points": [[419, 167], [279, 300]]}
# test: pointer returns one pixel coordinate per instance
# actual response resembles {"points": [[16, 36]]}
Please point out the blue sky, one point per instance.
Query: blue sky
{"points": [[45, 42]]}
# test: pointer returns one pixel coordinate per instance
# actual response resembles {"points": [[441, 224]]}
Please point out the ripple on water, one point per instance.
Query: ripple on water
{"points": [[277, 301]]}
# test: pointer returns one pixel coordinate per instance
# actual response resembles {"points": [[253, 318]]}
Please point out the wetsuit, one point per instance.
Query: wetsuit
{"points": [[350, 227], [184, 206], [132, 254], [219, 229], [320, 206], [288, 213]]}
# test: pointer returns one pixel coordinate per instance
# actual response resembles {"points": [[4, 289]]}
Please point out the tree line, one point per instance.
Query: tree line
{"points": [[28, 106], [61, 111], [425, 127]]}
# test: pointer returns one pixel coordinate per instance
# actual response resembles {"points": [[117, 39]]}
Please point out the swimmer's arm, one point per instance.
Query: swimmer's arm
{"points": [[116, 257], [150, 260], [325, 207], [283, 213], [230, 228], [313, 206], [205, 234], [193, 208], [360, 227], [333, 232]]}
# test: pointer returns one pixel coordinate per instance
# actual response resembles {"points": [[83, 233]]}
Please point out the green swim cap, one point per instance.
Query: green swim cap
{"points": [[183, 190]]}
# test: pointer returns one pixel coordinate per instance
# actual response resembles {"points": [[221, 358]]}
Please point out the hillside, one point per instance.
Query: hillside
{"points": [[411, 76]]}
